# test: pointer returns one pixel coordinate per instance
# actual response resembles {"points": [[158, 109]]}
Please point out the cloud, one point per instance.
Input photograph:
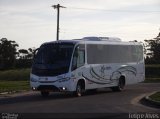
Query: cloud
{"points": [[32, 22]]}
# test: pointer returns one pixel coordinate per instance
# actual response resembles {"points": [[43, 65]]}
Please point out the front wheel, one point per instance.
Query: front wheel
{"points": [[79, 90]]}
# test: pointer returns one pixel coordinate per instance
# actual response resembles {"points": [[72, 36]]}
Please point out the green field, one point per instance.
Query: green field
{"points": [[14, 80], [13, 86], [18, 79], [15, 75]]}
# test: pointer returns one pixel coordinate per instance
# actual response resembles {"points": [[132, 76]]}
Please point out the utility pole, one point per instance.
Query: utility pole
{"points": [[58, 11]]}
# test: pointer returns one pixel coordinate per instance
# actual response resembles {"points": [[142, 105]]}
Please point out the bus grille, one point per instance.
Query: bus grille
{"points": [[48, 87]]}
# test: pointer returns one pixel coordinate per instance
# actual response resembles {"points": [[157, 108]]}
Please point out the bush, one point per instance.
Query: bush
{"points": [[152, 71]]}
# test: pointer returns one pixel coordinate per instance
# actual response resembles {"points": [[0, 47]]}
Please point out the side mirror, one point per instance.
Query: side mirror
{"points": [[35, 52]]}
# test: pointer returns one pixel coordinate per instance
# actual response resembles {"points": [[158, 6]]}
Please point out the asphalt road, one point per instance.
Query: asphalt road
{"points": [[103, 101]]}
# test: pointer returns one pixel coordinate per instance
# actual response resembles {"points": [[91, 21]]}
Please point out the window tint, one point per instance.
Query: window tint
{"points": [[53, 53], [52, 59], [99, 54]]}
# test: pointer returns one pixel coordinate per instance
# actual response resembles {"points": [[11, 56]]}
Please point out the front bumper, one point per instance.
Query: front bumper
{"points": [[51, 84]]}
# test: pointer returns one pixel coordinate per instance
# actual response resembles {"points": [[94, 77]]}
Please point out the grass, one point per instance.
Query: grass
{"points": [[15, 75], [155, 97], [152, 65], [14, 80], [13, 86], [152, 80]]}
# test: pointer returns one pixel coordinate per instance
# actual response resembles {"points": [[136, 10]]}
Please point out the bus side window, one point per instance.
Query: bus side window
{"points": [[78, 58]]}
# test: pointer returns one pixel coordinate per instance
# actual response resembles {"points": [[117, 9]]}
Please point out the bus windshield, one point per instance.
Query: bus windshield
{"points": [[53, 53], [54, 57]]}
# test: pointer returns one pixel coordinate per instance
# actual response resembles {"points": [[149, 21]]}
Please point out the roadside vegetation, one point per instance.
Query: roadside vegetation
{"points": [[155, 97], [13, 86], [15, 75], [14, 80], [152, 74]]}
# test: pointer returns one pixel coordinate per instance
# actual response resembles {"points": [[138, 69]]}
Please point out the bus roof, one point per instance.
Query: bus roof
{"points": [[97, 40]]}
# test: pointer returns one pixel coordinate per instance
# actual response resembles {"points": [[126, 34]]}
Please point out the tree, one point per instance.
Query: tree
{"points": [[23, 53], [25, 57], [31, 52], [153, 50], [26, 54], [8, 53]]}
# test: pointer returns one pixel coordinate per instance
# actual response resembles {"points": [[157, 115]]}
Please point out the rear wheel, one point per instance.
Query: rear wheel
{"points": [[44, 93], [120, 86]]}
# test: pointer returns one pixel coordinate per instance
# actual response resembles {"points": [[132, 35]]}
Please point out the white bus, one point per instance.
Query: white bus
{"points": [[88, 63]]}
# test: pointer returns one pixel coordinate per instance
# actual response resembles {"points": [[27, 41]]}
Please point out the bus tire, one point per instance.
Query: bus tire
{"points": [[80, 89], [44, 93], [120, 86]]}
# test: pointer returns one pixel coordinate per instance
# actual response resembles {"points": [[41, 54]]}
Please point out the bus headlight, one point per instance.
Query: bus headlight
{"points": [[64, 79], [63, 88], [33, 88]]}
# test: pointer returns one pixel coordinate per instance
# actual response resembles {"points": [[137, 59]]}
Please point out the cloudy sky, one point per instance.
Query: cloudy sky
{"points": [[32, 22]]}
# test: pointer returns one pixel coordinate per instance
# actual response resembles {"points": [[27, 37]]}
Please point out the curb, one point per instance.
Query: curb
{"points": [[149, 102]]}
